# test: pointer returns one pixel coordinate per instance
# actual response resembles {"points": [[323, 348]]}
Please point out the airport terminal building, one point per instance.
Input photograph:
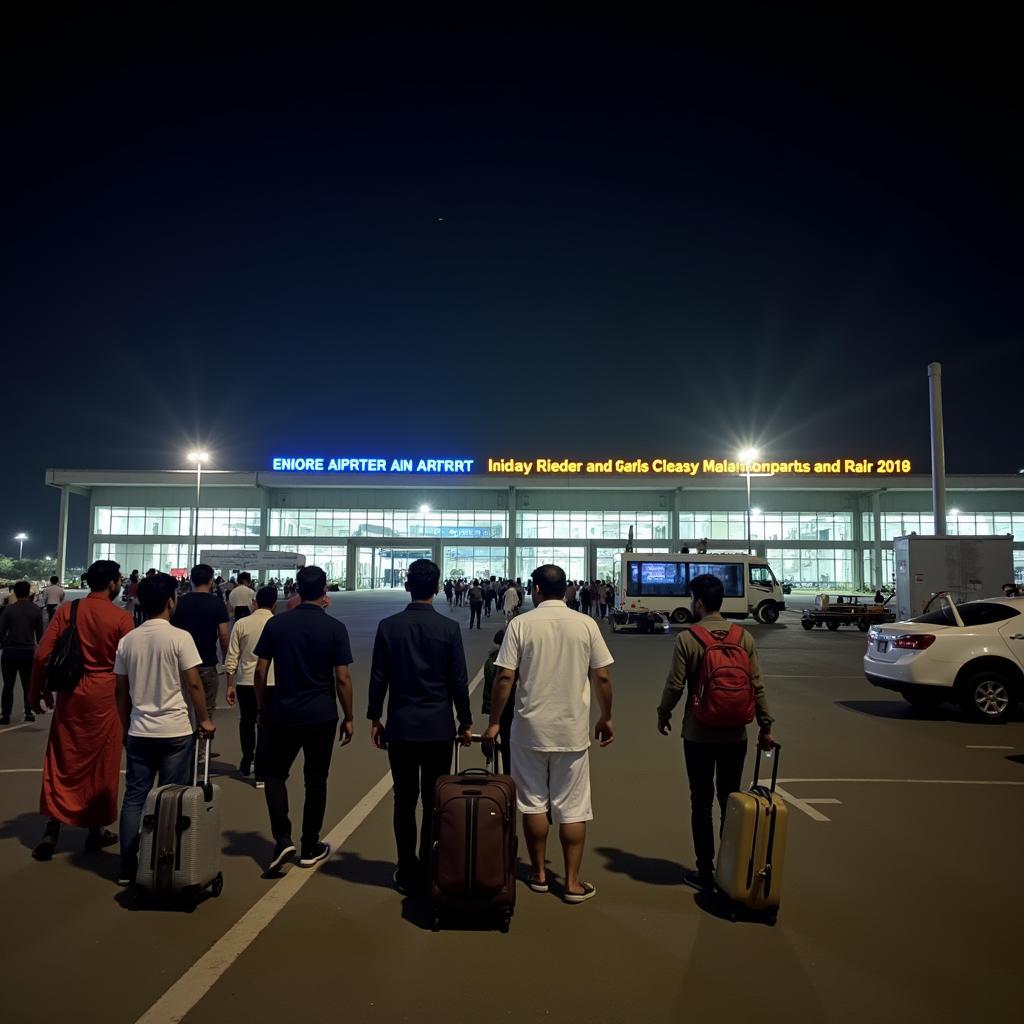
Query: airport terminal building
{"points": [[821, 525]]}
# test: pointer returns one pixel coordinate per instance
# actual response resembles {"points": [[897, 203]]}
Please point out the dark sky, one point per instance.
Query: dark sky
{"points": [[281, 237]]}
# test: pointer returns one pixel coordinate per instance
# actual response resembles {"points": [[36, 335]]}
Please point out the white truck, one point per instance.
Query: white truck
{"points": [[661, 583], [964, 567]]}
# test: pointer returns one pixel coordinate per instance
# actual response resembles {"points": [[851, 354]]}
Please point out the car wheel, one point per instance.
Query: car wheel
{"points": [[808, 624], [988, 696], [832, 624], [768, 613], [925, 698], [681, 616]]}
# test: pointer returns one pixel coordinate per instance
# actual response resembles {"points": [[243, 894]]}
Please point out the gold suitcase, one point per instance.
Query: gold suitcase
{"points": [[752, 852]]}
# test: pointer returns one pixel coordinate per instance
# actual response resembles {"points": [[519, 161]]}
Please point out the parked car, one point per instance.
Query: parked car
{"points": [[970, 653]]}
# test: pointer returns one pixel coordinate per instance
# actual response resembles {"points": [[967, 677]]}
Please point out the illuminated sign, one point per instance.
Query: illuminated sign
{"points": [[320, 464], [697, 467]]}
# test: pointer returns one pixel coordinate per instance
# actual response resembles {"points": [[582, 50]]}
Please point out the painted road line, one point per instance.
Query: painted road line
{"points": [[801, 805], [918, 782], [821, 800], [190, 988], [981, 746], [820, 675], [11, 728]]}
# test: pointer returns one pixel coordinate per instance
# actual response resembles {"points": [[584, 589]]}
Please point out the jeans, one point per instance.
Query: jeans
{"points": [[146, 758], [14, 662], [211, 683], [711, 767], [474, 613], [252, 737], [415, 769], [316, 741]]}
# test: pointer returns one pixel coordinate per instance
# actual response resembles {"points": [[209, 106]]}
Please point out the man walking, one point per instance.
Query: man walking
{"points": [[240, 666], [53, 595], [559, 655], [82, 770], [510, 603], [242, 599], [714, 756], [476, 603], [420, 666], [311, 655], [156, 676], [21, 628], [203, 614]]}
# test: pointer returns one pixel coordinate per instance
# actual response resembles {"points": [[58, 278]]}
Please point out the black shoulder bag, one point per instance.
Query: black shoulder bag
{"points": [[66, 666]]}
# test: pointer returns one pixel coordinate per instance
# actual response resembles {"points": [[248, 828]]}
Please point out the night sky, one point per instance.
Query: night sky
{"points": [[277, 238]]}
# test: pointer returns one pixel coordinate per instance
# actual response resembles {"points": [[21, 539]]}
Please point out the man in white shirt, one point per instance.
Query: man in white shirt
{"points": [[156, 664], [558, 655], [240, 666], [53, 597], [242, 598], [510, 603]]}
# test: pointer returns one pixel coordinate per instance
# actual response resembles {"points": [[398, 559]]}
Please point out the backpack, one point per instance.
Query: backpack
{"points": [[724, 695], [66, 666]]}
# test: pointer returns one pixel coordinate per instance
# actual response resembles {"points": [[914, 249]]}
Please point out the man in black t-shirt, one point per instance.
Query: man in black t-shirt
{"points": [[311, 654], [203, 614]]}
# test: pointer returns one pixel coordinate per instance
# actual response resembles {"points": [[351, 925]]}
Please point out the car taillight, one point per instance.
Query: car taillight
{"points": [[914, 641]]}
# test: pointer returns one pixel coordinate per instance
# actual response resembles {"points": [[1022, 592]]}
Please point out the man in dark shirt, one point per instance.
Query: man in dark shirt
{"points": [[419, 663], [21, 628], [311, 654], [203, 614]]}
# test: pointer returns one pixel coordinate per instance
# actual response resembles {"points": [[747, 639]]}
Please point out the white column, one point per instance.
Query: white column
{"points": [[62, 532]]}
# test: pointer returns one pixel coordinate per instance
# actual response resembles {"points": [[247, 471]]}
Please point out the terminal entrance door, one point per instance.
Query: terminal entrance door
{"points": [[383, 567]]}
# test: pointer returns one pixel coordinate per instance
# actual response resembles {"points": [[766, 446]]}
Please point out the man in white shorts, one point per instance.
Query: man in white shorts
{"points": [[558, 654]]}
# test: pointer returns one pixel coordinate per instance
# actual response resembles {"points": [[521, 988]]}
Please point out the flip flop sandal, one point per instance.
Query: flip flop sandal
{"points": [[535, 885], [589, 892]]}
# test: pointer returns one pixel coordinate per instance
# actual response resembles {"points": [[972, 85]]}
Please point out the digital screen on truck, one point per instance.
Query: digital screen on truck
{"points": [[671, 579]]}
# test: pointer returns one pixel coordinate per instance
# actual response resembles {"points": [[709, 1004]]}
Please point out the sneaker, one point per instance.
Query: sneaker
{"points": [[5, 720], [589, 892], [245, 768], [44, 849], [126, 875], [260, 784], [283, 852], [699, 879], [100, 840], [318, 853], [401, 882], [29, 717]]}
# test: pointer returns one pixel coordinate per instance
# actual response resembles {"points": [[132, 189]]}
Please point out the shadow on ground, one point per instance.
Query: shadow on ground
{"points": [[652, 870], [254, 845], [353, 867]]}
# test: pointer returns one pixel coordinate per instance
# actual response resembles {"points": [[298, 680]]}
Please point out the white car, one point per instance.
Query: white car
{"points": [[971, 653]]}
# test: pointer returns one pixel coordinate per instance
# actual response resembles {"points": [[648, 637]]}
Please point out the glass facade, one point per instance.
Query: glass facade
{"points": [[327, 522], [609, 566], [174, 521], [817, 526], [330, 558], [968, 524], [571, 557], [473, 562], [596, 525], [163, 557], [813, 568]]}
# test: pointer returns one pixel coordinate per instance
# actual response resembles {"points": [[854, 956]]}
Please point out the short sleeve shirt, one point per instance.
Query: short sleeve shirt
{"points": [[305, 646], [554, 648], [241, 595], [153, 657], [201, 616]]}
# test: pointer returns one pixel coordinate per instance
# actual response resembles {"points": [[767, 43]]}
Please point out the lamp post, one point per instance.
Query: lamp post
{"points": [[746, 458], [21, 538], [198, 457]]}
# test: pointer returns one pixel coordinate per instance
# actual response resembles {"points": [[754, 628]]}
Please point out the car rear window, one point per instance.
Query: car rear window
{"points": [[976, 613]]}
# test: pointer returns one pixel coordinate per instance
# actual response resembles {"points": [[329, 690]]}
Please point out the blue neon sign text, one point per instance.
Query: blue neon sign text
{"points": [[319, 464]]}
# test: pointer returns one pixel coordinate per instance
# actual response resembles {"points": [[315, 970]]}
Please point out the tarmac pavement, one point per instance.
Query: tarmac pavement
{"points": [[901, 898]]}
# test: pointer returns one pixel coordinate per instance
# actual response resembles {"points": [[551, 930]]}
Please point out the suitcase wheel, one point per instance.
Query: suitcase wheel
{"points": [[217, 885]]}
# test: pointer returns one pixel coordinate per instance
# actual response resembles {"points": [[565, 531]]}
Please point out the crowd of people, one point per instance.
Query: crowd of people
{"points": [[149, 689]]}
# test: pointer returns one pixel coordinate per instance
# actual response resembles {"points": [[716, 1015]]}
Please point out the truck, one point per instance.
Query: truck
{"points": [[851, 610], [964, 567], [661, 583]]}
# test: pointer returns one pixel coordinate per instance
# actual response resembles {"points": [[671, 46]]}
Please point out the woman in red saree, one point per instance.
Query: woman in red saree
{"points": [[82, 770]]}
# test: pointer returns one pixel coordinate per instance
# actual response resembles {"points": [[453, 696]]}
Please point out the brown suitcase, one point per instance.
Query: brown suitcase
{"points": [[473, 860]]}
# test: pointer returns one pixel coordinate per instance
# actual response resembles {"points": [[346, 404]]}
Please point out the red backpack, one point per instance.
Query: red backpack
{"points": [[724, 695]]}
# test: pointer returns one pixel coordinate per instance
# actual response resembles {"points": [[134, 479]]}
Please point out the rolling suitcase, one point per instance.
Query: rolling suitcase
{"points": [[474, 850], [180, 839], [752, 851]]}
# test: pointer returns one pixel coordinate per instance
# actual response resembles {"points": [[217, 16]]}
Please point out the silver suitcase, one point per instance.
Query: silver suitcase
{"points": [[180, 840]]}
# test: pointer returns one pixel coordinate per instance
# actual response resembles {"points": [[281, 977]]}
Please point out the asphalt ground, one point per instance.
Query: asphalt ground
{"points": [[901, 898]]}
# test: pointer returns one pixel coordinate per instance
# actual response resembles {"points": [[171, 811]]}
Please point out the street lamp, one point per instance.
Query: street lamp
{"points": [[21, 538], [198, 457], [747, 457], [424, 509]]}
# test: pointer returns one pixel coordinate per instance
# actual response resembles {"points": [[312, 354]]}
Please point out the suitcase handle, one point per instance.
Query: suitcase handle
{"points": [[207, 788], [776, 747], [478, 738]]}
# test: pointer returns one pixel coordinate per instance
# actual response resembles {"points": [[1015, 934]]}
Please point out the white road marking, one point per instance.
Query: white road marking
{"points": [[821, 800], [924, 782], [820, 675], [18, 771], [11, 728], [801, 805], [190, 988], [980, 746]]}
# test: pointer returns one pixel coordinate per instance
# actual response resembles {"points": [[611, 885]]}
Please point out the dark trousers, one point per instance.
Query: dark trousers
{"points": [[316, 742], [712, 768], [474, 613], [252, 738], [488, 601], [415, 769], [13, 663]]}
